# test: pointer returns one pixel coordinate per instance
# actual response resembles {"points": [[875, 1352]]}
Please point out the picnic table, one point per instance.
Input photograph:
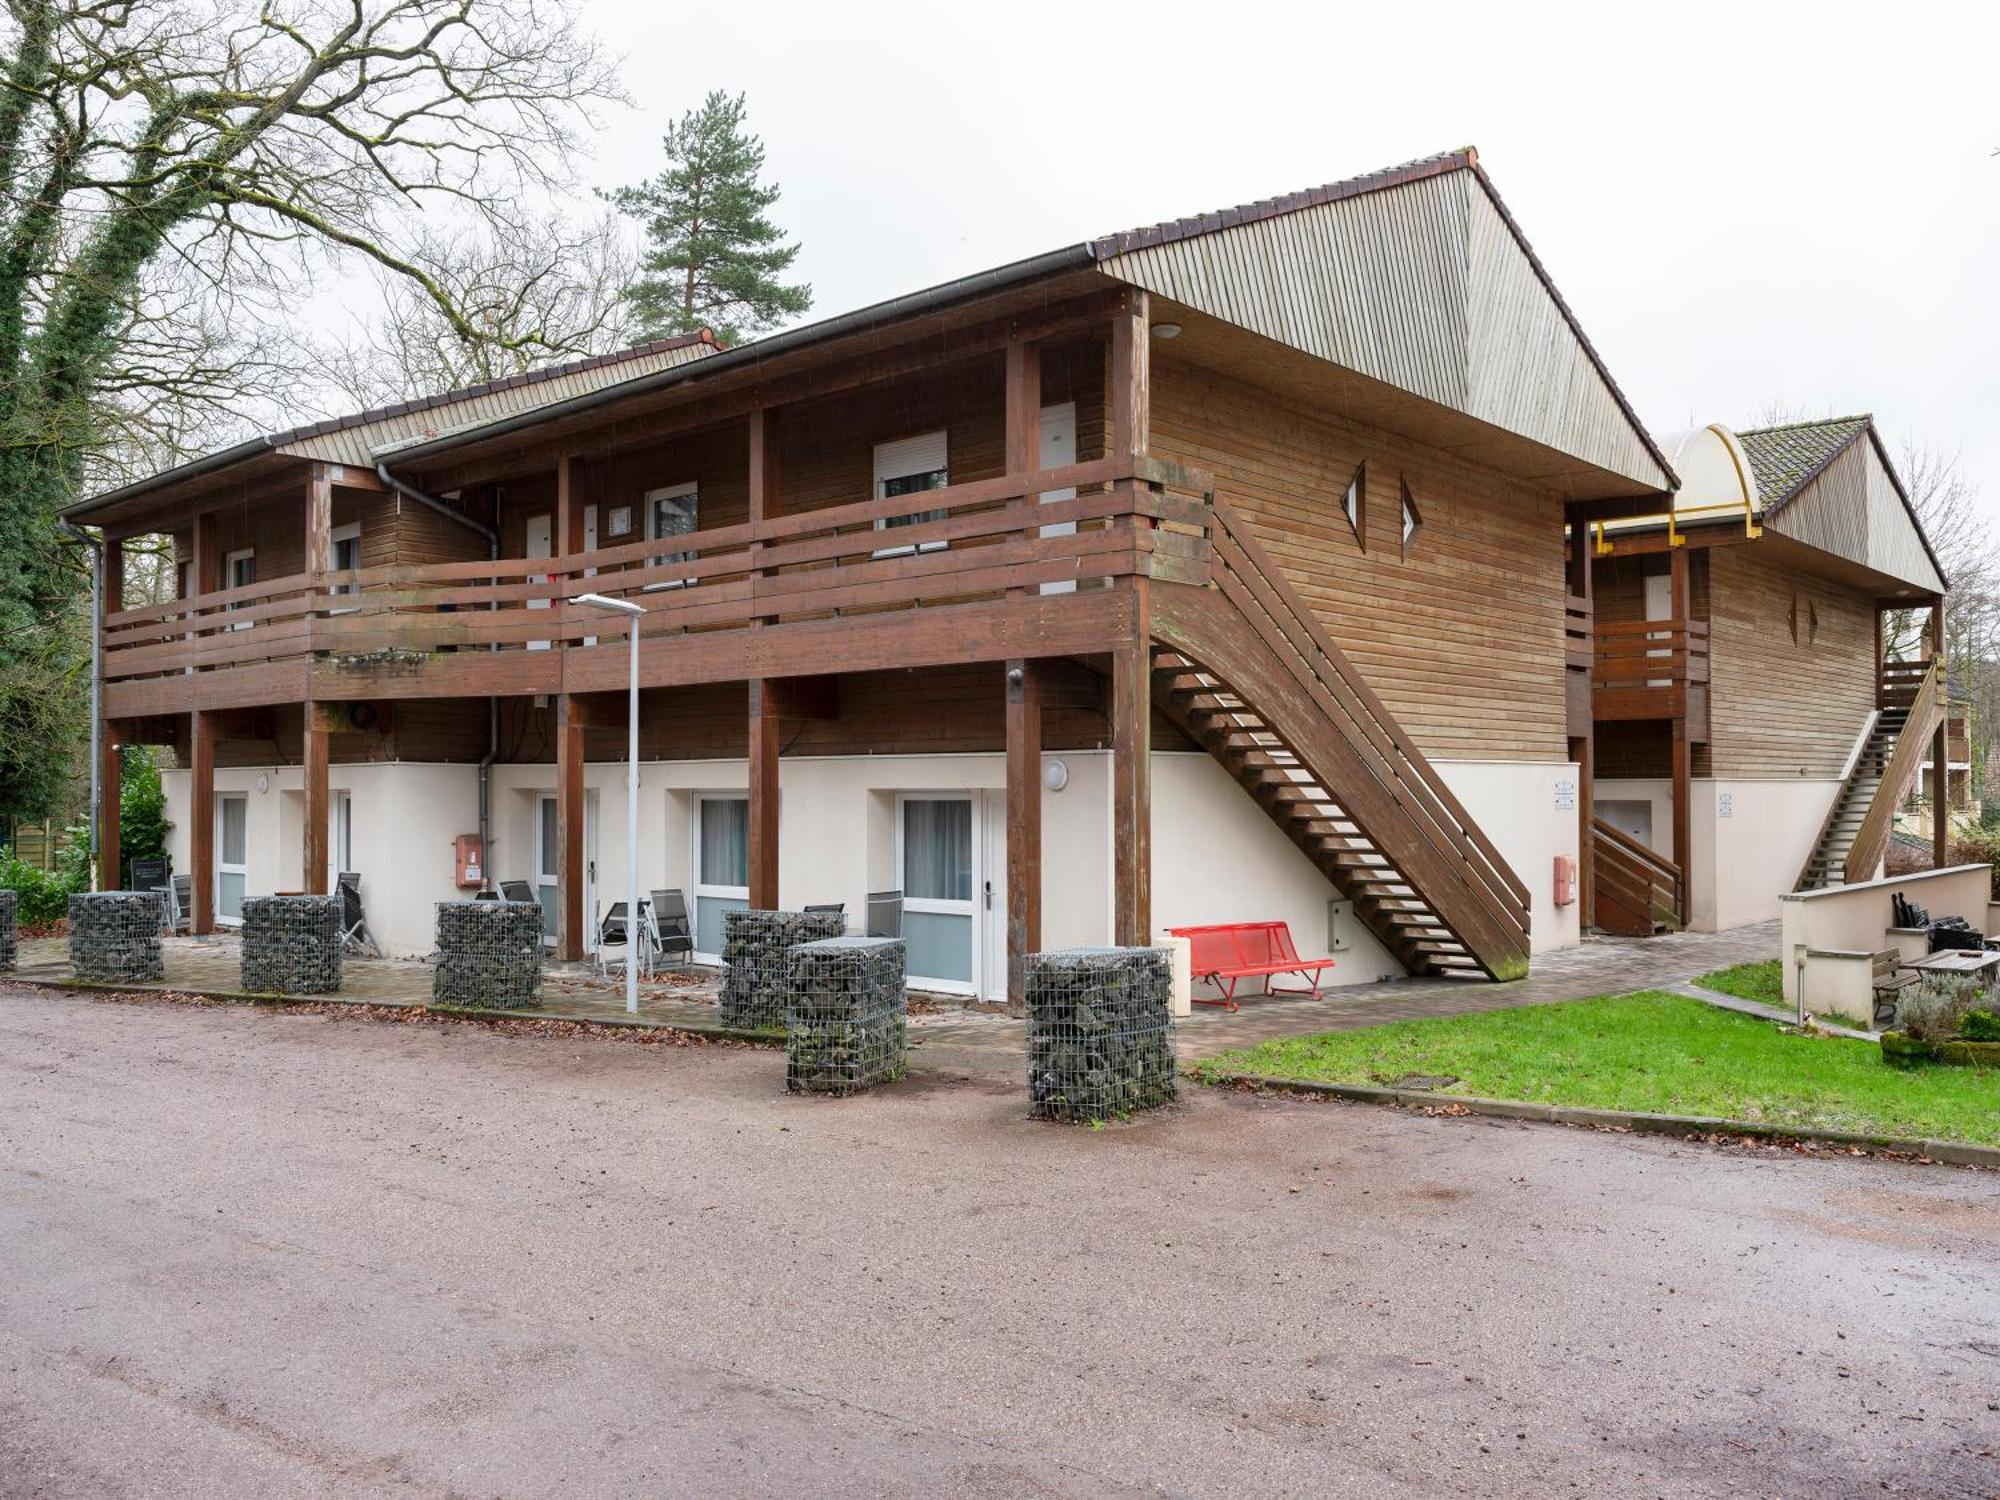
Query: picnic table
{"points": [[1980, 964]]}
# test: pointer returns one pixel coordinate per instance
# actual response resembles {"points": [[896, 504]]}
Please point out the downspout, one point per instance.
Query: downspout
{"points": [[96, 689], [492, 535]]}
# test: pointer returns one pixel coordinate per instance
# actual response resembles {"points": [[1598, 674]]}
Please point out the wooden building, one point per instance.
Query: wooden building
{"points": [[1754, 727], [1213, 571]]}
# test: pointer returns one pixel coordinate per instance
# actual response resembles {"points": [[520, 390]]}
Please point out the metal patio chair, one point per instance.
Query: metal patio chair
{"points": [[354, 934], [177, 904], [668, 911], [516, 890], [885, 914], [612, 932]]}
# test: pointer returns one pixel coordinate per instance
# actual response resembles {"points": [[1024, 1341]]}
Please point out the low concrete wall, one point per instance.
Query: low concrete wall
{"points": [[1857, 918]]}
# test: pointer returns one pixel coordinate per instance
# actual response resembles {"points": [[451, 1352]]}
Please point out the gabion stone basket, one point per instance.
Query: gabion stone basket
{"points": [[847, 1015], [291, 944], [489, 955], [757, 950], [115, 936], [1100, 1040], [9, 950]]}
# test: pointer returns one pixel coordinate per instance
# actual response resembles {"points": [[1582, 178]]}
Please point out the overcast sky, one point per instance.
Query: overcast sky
{"points": [[1745, 205]]}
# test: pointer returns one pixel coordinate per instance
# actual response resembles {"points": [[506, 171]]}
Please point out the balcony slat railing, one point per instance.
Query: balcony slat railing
{"points": [[1650, 669], [982, 539]]}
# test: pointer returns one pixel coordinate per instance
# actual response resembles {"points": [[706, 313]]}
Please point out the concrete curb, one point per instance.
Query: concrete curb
{"points": [[448, 1012], [1954, 1153]]}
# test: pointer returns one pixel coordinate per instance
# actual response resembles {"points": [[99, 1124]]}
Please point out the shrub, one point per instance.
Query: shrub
{"points": [[1980, 1026], [42, 898], [1979, 846], [142, 810], [1936, 1008]]}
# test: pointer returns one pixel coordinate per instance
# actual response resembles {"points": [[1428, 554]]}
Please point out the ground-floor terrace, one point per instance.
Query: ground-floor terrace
{"points": [[260, 1252]]}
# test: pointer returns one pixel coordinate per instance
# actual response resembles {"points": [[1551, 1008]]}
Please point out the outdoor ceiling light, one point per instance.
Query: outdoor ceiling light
{"points": [[1055, 775], [1166, 330]]}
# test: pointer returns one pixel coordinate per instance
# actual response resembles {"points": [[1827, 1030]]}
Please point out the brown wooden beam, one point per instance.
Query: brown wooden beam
{"points": [[569, 831], [1636, 544], [201, 819], [1132, 784], [764, 745], [1682, 809], [1131, 407], [319, 518], [1941, 750], [569, 507], [317, 761], [1024, 823]]}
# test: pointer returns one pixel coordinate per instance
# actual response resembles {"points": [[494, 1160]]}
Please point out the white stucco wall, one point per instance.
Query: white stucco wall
{"points": [[1216, 856]]}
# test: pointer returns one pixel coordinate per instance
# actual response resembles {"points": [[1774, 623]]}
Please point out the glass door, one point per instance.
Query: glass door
{"points": [[722, 869], [548, 869], [232, 854], [936, 860], [340, 842]]}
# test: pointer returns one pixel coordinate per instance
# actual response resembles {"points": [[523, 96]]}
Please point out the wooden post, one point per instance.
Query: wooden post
{"points": [[568, 542], [201, 820], [319, 519], [1941, 750], [764, 481], [764, 744], [1680, 606], [1132, 783], [1131, 409], [1024, 824], [1582, 572], [111, 767], [317, 760], [1023, 421], [569, 829]]}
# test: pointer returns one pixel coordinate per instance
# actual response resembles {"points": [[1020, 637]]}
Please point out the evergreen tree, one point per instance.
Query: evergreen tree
{"points": [[712, 257]]}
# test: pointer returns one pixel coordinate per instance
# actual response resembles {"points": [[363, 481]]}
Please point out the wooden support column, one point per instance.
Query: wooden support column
{"points": [[110, 766], [1024, 824], [201, 820], [570, 915], [1132, 784], [319, 518], [765, 504], [1941, 750], [764, 745], [1023, 421], [568, 539], [1131, 408], [1680, 597], [317, 761], [1581, 572]]}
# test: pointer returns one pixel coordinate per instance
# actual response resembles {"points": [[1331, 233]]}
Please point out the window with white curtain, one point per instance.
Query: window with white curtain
{"points": [[937, 849], [670, 512], [910, 466], [936, 860], [722, 868], [232, 854]]}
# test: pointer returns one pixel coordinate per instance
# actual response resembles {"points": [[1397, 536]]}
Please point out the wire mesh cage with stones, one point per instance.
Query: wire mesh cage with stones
{"points": [[115, 935], [291, 944], [847, 1016], [1100, 1036], [757, 951], [489, 955], [10, 953]]}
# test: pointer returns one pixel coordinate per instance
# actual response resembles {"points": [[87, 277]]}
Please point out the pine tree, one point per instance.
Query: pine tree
{"points": [[712, 258]]}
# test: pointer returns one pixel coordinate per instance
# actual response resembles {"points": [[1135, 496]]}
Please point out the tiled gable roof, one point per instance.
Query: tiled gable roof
{"points": [[1786, 457]]}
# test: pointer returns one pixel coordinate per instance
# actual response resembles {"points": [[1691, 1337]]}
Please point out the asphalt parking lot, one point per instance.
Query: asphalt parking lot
{"points": [[270, 1253]]}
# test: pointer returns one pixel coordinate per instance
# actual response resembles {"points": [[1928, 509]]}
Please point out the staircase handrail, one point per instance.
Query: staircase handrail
{"points": [[1872, 837]]}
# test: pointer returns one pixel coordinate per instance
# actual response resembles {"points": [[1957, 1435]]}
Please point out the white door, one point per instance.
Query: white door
{"points": [[721, 864], [993, 895], [232, 855], [937, 868], [541, 540], [340, 839], [548, 869], [1059, 450]]}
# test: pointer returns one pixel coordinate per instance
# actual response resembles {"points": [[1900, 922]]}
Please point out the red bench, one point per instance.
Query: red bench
{"points": [[1246, 950]]}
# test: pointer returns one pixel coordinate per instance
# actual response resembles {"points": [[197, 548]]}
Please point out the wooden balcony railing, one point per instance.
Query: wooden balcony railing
{"points": [[1579, 653], [987, 539], [1898, 682], [1652, 669], [1913, 746]]}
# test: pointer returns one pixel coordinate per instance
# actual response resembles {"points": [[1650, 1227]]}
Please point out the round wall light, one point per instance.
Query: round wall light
{"points": [[1166, 330], [1055, 775], [263, 782]]}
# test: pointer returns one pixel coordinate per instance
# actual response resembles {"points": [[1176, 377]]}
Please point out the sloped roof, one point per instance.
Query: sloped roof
{"points": [[1787, 457]]}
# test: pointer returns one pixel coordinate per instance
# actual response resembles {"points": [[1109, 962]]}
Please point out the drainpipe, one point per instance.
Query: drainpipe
{"points": [[96, 684], [411, 492]]}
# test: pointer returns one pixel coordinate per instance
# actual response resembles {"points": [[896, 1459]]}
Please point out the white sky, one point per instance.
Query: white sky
{"points": [[1744, 204]]}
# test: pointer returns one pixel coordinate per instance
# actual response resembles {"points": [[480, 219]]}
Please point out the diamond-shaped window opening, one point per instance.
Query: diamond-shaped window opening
{"points": [[1355, 503], [1413, 519]]}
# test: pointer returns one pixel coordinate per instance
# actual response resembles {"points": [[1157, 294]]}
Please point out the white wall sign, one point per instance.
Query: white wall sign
{"points": [[1565, 795], [1725, 804]]}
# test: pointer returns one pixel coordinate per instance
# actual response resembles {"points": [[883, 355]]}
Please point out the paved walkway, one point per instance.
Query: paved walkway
{"points": [[951, 1034]]}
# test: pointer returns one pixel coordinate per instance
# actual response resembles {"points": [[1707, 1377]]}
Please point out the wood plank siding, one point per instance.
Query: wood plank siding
{"points": [[1782, 707], [1463, 637], [1854, 510]]}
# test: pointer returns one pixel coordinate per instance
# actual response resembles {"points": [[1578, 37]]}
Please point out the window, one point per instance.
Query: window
{"points": [[936, 860], [340, 845], [232, 854], [908, 467], [673, 511], [1413, 519], [1355, 504], [239, 570], [548, 865], [343, 555], [722, 868]]}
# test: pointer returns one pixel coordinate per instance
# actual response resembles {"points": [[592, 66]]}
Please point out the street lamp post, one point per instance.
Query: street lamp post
{"points": [[628, 608]]}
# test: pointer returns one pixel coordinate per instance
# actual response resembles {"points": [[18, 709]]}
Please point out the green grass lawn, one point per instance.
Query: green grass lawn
{"points": [[1653, 1053], [1760, 981]]}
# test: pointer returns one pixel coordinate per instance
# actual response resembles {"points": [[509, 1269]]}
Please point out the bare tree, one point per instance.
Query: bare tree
{"points": [[160, 160], [533, 293]]}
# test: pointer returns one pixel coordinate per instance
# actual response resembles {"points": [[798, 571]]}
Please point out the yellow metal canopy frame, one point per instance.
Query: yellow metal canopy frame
{"points": [[1746, 507]]}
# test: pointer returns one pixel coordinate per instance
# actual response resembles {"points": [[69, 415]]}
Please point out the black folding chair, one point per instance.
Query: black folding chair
{"points": [[832, 909], [354, 934], [670, 925], [517, 890]]}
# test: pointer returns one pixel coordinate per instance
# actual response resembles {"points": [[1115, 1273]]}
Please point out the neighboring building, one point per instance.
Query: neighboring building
{"points": [[1749, 736], [1209, 572]]}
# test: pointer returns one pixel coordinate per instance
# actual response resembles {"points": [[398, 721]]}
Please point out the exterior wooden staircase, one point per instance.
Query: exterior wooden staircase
{"points": [[1637, 893], [1856, 833], [1244, 667]]}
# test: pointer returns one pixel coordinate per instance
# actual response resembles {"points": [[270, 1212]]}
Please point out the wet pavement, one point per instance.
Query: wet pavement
{"points": [[268, 1251]]}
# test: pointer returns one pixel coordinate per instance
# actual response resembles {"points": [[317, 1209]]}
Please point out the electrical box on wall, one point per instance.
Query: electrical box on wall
{"points": [[1565, 880], [1339, 926], [470, 858]]}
